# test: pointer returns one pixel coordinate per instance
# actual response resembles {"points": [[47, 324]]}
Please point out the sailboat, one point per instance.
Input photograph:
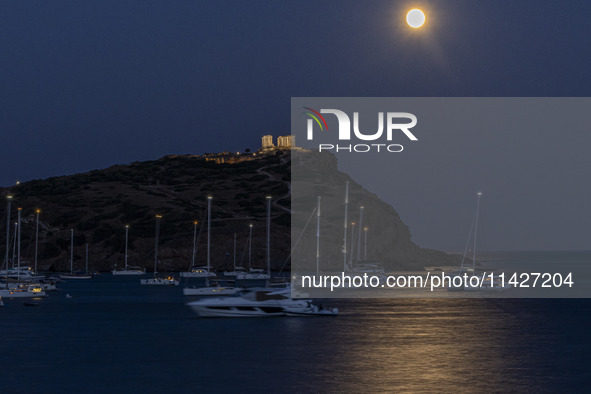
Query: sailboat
{"points": [[128, 270], [252, 273], [209, 290], [475, 281], [236, 270], [18, 289], [157, 280], [196, 272], [72, 274]]}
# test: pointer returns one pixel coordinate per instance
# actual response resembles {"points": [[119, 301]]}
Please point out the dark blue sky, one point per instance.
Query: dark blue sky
{"points": [[88, 84]]}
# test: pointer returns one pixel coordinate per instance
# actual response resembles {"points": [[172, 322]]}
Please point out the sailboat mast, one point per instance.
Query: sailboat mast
{"points": [[86, 272], [269, 236], [38, 211], [359, 235], [346, 220], [249, 245], [352, 244], [365, 244], [208, 233], [318, 238], [234, 252], [14, 244], [18, 258], [475, 230], [194, 244], [126, 241], [158, 217], [71, 250], [9, 201]]}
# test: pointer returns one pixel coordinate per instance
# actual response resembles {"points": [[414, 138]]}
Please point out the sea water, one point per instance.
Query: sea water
{"points": [[114, 335]]}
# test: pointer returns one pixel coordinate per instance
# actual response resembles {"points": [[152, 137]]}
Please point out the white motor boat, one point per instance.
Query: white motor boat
{"points": [[261, 302]]}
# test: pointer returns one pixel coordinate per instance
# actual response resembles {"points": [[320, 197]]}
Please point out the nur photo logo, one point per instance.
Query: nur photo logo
{"points": [[390, 125]]}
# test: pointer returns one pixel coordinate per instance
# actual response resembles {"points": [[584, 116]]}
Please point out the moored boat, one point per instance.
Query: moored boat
{"points": [[128, 269], [23, 290]]}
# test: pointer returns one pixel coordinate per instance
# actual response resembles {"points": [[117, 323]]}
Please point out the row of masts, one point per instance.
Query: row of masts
{"points": [[17, 243], [194, 251], [346, 264]]}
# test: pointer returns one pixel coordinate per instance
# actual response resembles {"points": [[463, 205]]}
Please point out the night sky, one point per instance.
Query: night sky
{"points": [[88, 84]]}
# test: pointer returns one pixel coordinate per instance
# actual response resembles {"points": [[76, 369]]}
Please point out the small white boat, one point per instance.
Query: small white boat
{"points": [[162, 281], [313, 310], [261, 302]]}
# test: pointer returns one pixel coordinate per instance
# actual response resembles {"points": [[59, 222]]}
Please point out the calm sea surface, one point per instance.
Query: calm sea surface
{"points": [[114, 335]]}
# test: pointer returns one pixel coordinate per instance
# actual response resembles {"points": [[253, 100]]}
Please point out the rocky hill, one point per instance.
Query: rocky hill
{"points": [[98, 204], [386, 239]]}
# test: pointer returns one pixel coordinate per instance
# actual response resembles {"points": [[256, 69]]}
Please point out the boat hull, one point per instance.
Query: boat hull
{"points": [[128, 272], [205, 311], [21, 293], [75, 277]]}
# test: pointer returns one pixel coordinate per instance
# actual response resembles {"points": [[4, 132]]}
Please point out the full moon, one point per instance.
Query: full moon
{"points": [[415, 18]]}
